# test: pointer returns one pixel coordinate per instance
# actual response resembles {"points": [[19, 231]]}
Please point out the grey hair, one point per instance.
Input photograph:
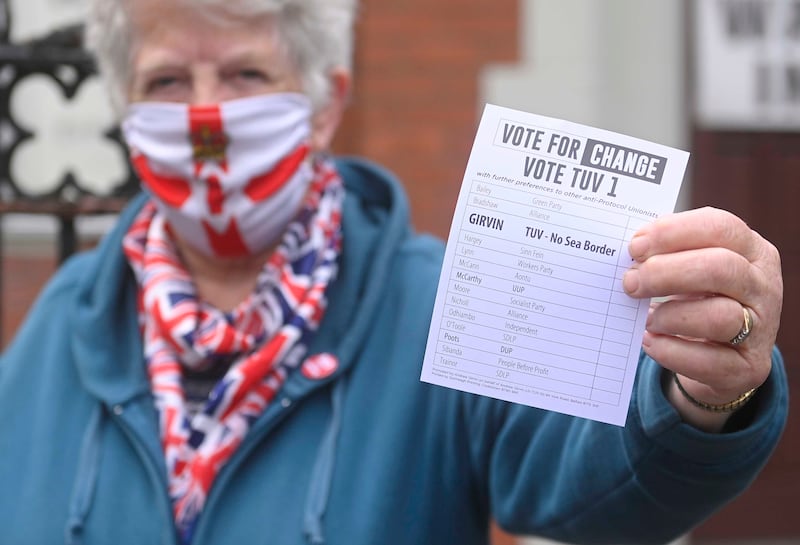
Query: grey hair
{"points": [[318, 35]]}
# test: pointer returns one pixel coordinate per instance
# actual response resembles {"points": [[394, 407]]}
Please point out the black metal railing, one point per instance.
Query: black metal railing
{"points": [[60, 57]]}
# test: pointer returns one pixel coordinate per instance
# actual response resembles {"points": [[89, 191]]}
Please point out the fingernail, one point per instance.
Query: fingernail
{"points": [[630, 281], [638, 247]]}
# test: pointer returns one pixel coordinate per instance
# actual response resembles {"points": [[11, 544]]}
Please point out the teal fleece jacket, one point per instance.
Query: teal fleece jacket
{"points": [[369, 455]]}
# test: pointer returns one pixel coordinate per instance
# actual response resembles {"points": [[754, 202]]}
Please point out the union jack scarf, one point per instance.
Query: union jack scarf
{"points": [[267, 335]]}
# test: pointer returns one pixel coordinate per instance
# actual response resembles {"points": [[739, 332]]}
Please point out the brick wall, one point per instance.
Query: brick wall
{"points": [[24, 271], [416, 104]]}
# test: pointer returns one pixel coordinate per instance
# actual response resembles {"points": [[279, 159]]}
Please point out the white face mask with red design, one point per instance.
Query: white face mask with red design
{"points": [[228, 177]]}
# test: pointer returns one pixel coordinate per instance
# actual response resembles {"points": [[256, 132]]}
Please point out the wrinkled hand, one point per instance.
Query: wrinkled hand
{"points": [[708, 264]]}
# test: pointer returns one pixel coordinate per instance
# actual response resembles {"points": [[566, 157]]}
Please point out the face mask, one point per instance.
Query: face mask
{"points": [[228, 177]]}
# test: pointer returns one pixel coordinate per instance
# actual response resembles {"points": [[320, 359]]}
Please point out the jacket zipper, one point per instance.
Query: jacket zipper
{"points": [[283, 409], [155, 476]]}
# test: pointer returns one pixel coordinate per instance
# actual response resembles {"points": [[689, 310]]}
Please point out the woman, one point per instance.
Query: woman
{"points": [[238, 361]]}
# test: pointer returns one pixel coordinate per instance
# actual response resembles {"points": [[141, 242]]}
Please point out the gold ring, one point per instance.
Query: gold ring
{"points": [[747, 328]]}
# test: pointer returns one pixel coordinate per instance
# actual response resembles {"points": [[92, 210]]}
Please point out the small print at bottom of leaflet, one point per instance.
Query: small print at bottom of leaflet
{"points": [[530, 307]]}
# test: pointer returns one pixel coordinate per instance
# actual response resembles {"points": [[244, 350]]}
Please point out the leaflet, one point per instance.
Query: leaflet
{"points": [[530, 306]]}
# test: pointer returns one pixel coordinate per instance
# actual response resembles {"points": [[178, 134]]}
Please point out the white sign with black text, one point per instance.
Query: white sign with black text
{"points": [[747, 64]]}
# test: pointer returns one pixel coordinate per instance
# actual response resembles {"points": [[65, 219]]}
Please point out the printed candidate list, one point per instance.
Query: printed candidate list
{"points": [[530, 306]]}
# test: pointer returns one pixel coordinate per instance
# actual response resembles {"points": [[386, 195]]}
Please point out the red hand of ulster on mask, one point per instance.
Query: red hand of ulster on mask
{"points": [[227, 177]]}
